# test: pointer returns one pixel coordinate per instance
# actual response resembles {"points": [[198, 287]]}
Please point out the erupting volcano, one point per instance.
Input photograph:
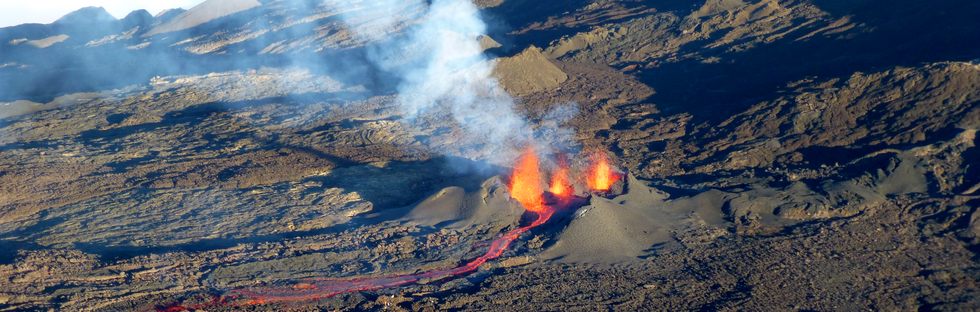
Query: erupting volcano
{"points": [[465, 155], [525, 187]]}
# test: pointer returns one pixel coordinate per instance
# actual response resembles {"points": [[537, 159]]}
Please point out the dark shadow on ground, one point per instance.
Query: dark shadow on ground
{"points": [[387, 186], [398, 184], [9, 250], [512, 15], [894, 33]]}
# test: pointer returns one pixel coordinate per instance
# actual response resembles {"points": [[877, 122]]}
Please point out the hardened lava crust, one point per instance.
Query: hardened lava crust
{"points": [[765, 155]]}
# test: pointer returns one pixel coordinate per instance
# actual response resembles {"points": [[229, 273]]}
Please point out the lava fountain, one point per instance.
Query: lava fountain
{"points": [[525, 182], [560, 185], [600, 175], [525, 187]]}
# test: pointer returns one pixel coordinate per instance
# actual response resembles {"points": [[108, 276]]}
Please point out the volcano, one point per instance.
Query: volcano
{"points": [[525, 188], [349, 155]]}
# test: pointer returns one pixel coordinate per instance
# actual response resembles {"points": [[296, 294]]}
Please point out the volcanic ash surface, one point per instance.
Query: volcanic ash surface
{"points": [[628, 226]]}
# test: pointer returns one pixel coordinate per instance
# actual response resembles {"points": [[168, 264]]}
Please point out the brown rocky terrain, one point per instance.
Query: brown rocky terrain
{"points": [[779, 155]]}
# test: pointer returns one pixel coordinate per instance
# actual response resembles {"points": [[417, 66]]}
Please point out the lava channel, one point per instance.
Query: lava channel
{"points": [[525, 188], [325, 288]]}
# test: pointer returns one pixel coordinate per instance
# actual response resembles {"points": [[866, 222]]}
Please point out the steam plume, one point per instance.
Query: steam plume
{"points": [[442, 69]]}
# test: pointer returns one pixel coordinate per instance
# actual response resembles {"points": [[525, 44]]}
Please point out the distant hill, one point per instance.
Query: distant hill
{"points": [[204, 13]]}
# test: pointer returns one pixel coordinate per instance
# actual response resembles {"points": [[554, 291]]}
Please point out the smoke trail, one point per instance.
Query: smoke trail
{"points": [[425, 51], [441, 69]]}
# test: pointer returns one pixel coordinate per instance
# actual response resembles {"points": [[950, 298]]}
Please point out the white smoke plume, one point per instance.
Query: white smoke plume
{"points": [[426, 51], [442, 68]]}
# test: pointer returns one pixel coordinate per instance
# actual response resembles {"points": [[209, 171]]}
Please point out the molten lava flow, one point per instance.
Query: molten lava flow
{"points": [[601, 175], [560, 185], [525, 182], [525, 188]]}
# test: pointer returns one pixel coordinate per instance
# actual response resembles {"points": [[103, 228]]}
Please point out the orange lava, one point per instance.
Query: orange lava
{"points": [[525, 182], [560, 185], [304, 286], [526, 188], [601, 176]]}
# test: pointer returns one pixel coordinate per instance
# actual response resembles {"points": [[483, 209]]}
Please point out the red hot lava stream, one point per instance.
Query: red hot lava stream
{"points": [[525, 187], [325, 288]]}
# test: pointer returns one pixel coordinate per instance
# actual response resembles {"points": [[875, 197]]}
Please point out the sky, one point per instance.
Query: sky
{"points": [[16, 12]]}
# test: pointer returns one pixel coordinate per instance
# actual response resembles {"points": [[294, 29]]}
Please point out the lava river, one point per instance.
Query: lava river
{"points": [[525, 187]]}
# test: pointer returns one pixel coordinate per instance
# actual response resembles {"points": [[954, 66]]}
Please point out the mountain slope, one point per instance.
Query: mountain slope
{"points": [[204, 13]]}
